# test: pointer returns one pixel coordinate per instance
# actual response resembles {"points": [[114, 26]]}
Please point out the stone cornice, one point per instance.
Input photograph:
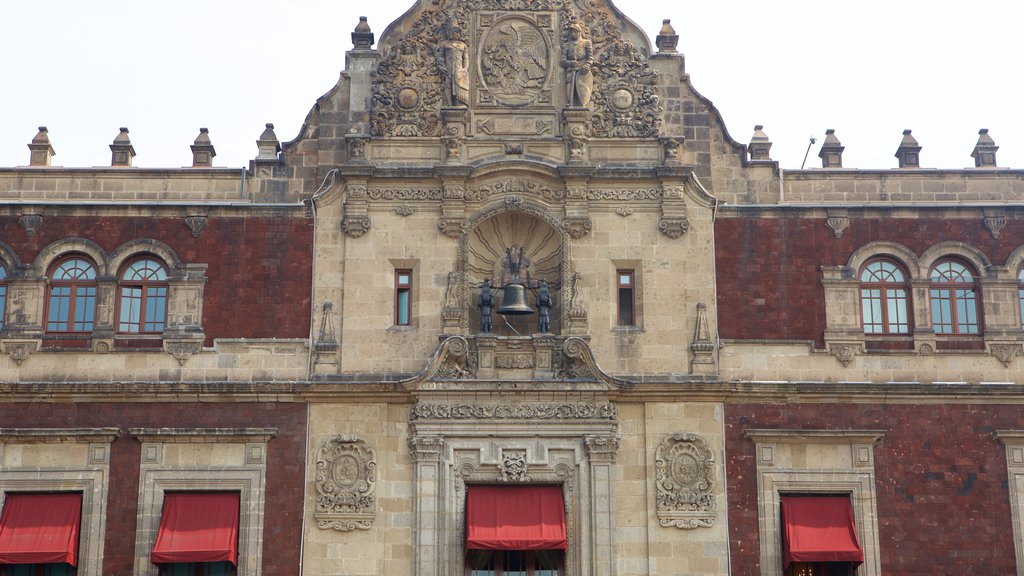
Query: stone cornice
{"points": [[768, 436], [58, 435], [202, 435]]}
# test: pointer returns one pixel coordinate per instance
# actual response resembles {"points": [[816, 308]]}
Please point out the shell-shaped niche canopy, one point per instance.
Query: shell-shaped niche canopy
{"points": [[536, 250]]}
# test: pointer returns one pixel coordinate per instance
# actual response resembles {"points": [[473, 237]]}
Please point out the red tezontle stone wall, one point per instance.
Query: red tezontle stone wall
{"points": [[940, 478], [769, 269], [282, 528], [259, 271]]}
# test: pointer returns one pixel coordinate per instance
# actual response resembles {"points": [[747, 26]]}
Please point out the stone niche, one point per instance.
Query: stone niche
{"points": [[569, 444]]}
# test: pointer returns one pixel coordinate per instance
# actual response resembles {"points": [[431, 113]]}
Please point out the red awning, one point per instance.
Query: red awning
{"points": [[40, 528], [819, 529], [198, 527], [515, 518]]}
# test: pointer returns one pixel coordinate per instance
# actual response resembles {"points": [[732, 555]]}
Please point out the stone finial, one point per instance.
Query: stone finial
{"points": [[667, 39], [268, 144], [984, 153], [202, 150], [760, 145], [909, 152], [121, 150], [362, 36], [831, 152], [41, 150]]}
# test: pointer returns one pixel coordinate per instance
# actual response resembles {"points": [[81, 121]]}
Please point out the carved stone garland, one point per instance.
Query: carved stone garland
{"points": [[346, 476], [685, 478]]}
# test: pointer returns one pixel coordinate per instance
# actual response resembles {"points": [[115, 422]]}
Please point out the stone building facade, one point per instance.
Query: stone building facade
{"points": [[315, 333]]}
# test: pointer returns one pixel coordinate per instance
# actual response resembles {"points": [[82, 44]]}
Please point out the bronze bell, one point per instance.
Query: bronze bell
{"points": [[513, 302]]}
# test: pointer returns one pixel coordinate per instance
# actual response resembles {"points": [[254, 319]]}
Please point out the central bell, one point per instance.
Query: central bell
{"points": [[513, 302]]}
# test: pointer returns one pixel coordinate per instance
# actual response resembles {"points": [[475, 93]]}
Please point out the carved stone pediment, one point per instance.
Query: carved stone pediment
{"points": [[346, 477]]}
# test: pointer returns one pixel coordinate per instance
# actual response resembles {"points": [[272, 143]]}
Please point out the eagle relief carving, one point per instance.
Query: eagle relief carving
{"points": [[515, 61]]}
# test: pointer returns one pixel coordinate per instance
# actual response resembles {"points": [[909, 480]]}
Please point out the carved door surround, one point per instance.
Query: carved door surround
{"points": [[570, 444]]}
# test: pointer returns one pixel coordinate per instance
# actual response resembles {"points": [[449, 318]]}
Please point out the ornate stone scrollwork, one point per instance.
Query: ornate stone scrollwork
{"points": [[20, 350], [355, 226], [602, 448], [182, 350], [838, 225], [346, 476], [685, 479], [516, 411], [1005, 353], [452, 227], [674, 227], [513, 466], [845, 352], [576, 228], [196, 223]]}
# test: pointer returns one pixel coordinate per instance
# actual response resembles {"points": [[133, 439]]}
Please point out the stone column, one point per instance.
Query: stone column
{"points": [[426, 453], [601, 453]]}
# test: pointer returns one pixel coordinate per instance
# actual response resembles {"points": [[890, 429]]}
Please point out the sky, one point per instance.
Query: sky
{"points": [[868, 69]]}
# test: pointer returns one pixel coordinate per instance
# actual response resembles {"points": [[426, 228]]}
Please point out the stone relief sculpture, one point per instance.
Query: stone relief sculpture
{"points": [[577, 59], [454, 63], [346, 476], [685, 478], [514, 61]]}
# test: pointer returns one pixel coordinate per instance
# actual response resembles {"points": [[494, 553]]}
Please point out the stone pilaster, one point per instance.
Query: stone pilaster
{"points": [[674, 180], [576, 135], [426, 453], [601, 453]]}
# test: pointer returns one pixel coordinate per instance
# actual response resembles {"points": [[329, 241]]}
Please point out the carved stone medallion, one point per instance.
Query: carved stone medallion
{"points": [[685, 476], [346, 476], [515, 61]]}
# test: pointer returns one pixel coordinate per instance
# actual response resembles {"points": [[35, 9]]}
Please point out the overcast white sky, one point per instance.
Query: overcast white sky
{"points": [[869, 69]]}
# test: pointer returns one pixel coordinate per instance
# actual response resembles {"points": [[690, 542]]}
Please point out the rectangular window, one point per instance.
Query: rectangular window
{"points": [[942, 315], [60, 304], [403, 297], [85, 307], [626, 297]]}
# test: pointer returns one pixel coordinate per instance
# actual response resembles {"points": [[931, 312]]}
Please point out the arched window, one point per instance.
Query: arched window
{"points": [[143, 297], [71, 306], [3, 295], [954, 295], [1020, 295], [883, 298]]}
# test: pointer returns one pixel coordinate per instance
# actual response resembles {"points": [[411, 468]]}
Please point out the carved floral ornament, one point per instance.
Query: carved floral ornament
{"points": [[685, 478], [346, 476]]}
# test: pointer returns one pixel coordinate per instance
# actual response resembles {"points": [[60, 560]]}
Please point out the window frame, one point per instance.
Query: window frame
{"points": [[882, 301], [1020, 296], [625, 293], [144, 285], [3, 295], [73, 286], [952, 288], [403, 289]]}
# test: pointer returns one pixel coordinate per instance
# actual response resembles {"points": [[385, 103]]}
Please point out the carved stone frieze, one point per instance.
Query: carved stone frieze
{"points": [[404, 194], [530, 5], [513, 361], [514, 186], [674, 227], [1005, 353], [355, 226], [624, 195], [515, 411], [513, 466], [685, 480], [346, 477]]}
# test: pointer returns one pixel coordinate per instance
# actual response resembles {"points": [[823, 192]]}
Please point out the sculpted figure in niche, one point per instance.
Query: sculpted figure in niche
{"points": [[454, 64], [578, 59], [486, 303], [544, 308]]}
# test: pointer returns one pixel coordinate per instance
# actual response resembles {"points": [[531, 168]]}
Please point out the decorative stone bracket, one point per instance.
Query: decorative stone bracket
{"points": [[356, 220], [182, 350], [346, 477], [674, 222], [845, 352], [685, 479], [1005, 353], [20, 350]]}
